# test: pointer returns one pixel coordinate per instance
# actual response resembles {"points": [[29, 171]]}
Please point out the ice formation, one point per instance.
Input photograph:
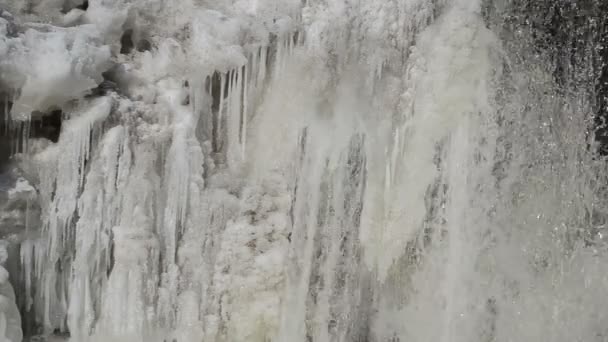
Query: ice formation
{"points": [[298, 171]]}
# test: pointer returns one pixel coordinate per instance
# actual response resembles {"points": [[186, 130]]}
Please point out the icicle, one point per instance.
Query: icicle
{"points": [[233, 152], [27, 126], [245, 114], [254, 62], [262, 67], [278, 62], [285, 48], [220, 112], [7, 119], [239, 108], [27, 261], [98, 207], [61, 180], [290, 42], [229, 105], [177, 193]]}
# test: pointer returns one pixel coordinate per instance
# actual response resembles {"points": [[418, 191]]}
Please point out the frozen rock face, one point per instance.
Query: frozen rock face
{"points": [[298, 171]]}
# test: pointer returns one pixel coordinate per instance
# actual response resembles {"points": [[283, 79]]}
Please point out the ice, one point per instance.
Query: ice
{"points": [[94, 234], [73, 17], [56, 66], [10, 318], [264, 170]]}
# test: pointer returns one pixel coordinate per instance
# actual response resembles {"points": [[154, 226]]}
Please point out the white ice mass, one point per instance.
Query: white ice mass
{"points": [[300, 171]]}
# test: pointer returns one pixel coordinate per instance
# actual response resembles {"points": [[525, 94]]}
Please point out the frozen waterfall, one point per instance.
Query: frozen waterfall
{"points": [[303, 170]]}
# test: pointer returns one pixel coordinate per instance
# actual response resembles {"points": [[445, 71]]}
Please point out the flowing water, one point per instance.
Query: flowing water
{"points": [[304, 171]]}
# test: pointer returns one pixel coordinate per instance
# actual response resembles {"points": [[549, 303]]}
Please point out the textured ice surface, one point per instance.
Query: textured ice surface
{"points": [[296, 171]]}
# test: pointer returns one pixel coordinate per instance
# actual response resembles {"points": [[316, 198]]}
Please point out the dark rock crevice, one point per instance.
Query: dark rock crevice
{"points": [[572, 37]]}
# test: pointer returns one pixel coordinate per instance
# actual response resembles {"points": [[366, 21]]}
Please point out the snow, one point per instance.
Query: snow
{"points": [[56, 66]]}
